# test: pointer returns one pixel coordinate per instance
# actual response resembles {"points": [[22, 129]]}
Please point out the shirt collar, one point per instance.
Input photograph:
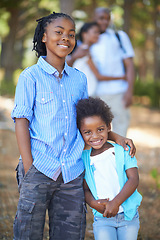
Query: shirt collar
{"points": [[49, 68], [109, 31]]}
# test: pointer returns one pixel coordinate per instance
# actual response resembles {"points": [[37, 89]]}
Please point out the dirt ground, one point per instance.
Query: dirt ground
{"points": [[145, 132]]}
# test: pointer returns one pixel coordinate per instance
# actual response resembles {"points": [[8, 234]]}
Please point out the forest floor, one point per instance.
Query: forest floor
{"points": [[145, 132]]}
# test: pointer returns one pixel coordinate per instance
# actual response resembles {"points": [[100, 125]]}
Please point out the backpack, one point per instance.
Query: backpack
{"points": [[120, 42]]}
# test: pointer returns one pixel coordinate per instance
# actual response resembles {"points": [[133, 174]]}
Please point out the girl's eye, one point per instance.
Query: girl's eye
{"points": [[72, 35], [100, 130], [87, 132], [59, 32]]}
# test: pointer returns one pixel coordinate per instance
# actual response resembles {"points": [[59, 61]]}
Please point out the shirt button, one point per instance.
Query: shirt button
{"points": [[61, 85], [65, 134], [62, 164], [64, 101], [66, 117], [43, 99], [64, 150]]}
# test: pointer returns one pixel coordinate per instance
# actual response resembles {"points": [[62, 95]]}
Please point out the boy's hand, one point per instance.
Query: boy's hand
{"points": [[111, 209]]}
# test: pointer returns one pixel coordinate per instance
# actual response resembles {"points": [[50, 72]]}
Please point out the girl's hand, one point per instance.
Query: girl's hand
{"points": [[100, 207], [124, 77], [111, 208]]}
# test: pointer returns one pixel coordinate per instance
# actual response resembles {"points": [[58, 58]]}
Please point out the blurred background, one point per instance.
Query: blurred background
{"points": [[140, 19]]}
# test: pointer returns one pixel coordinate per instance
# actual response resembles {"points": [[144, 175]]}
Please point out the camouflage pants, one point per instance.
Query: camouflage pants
{"points": [[65, 204]]}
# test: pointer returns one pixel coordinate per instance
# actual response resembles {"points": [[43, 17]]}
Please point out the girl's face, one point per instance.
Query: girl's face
{"points": [[94, 131], [92, 34], [59, 37]]}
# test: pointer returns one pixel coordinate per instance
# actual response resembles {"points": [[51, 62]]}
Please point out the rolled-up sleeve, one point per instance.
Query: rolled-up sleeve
{"points": [[126, 43], [24, 98]]}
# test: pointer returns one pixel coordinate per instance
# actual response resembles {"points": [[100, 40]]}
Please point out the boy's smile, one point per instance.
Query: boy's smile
{"points": [[94, 131]]}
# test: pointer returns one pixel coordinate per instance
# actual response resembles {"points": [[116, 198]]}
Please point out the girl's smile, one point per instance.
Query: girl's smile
{"points": [[94, 131], [59, 38]]}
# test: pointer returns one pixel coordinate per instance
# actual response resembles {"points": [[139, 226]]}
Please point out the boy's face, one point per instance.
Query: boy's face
{"points": [[103, 20], [94, 131], [59, 37]]}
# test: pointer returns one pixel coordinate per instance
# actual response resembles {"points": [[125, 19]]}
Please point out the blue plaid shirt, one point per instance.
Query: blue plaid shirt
{"points": [[48, 102]]}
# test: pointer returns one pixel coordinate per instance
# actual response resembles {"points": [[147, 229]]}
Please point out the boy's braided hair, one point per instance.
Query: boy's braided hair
{"points": [[38, 45], [89, 107]]}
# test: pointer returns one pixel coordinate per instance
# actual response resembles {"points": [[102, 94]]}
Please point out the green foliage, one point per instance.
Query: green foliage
{"points": [[3, 23], [149, 89], [7, 88], [154, 173]]}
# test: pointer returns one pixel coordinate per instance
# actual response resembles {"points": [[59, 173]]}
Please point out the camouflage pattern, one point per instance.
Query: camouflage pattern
{"points": [[65, 204]]}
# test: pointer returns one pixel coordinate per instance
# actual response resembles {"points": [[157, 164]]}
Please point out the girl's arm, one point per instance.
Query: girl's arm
{"points": [[23, 140], [123, 141], [90, 200], [112, 207], [79, 52], [99, 76]]}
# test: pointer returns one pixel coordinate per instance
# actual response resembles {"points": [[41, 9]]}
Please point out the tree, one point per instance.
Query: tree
{"points": [[7, 53], [156, 49], [127, 6], [67, 6], [23, 14]]}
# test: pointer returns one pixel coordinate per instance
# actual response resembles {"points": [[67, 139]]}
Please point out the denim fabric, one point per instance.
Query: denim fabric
{"points": [[116, 228], [64, 202]]}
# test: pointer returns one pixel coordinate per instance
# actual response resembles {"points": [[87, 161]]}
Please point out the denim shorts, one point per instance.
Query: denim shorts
{"points": [[65, 204], [116, 228]]}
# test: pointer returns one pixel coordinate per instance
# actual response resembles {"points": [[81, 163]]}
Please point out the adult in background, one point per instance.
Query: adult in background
{"points": [[113, 56], [88, 35]]}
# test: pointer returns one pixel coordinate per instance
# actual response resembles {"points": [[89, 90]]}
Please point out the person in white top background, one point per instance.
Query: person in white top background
{"points": [[111, 175], [113, 56], [88, 35], [111, 59]]}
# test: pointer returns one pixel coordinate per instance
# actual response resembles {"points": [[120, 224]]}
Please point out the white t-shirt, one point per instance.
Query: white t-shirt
{"points": [[81, 64], [108, 56], [105, 175]]}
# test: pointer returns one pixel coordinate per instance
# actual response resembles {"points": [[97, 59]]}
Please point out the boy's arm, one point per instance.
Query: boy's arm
{"points": [[130, 77], [112, 207], [123, 141], [90, 200], [23, 140]]}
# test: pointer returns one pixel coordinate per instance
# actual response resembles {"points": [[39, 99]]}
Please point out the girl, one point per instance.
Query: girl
{"points": [[49, 142], [111, 175], [50, 171], [88, 35]]}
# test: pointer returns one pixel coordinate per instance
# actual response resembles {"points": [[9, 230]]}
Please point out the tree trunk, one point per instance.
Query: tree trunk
{"points": [[67, 6], [8, 53], [127, 6], [156, 20]]}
